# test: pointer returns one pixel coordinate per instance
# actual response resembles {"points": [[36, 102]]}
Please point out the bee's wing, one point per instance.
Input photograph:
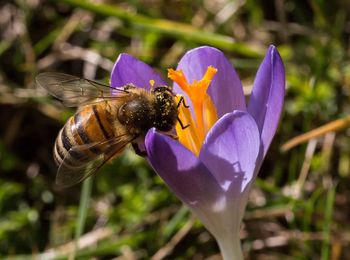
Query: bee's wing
{"points": [[69, 176], [75, 91]]}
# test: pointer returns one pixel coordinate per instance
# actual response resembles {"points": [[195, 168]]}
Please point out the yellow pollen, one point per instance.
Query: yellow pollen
{"points": [[151, 82], [203, 108]]}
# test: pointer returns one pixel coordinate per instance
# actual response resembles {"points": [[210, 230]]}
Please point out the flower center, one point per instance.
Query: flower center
{"points": [[203, 108]]}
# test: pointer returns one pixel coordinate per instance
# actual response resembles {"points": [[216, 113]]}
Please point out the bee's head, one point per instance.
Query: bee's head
{"points": [[165, 106]]}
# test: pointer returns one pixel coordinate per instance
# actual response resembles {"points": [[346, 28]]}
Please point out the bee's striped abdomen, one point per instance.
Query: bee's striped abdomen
{"points": [[91, 124]]}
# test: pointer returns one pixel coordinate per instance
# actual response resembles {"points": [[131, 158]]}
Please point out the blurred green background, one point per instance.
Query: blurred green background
{"points": [[299, 207]]}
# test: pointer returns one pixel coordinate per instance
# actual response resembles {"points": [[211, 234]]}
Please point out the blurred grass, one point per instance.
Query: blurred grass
{"points": [[299, 206], [83, 209], [178, 30]]}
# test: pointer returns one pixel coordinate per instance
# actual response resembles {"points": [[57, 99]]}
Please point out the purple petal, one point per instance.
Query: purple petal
{"points": [[225, 90], [267, 97], [188, 178], [231, 149], [128, 69]]}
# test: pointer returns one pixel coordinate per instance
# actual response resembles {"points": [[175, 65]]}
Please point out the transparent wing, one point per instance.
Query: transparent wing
{"points": [[75, 91], [68, 175]]}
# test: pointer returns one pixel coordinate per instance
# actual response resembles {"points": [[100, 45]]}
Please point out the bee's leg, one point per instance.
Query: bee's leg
{"points": [[138, 151], [181, 124], [172, 136], [182, 101]]}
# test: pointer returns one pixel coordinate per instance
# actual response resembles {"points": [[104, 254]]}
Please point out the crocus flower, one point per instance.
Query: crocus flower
{"points": [[212, 166]]}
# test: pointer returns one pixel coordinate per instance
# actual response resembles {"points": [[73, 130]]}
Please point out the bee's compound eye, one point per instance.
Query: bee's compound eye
{"points": [[163, 88], [162, 97]]}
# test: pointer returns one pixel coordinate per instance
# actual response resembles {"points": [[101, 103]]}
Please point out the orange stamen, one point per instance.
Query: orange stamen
{"points": [[204, 109]]}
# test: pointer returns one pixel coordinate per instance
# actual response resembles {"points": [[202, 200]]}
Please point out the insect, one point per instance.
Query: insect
{"points": [[105, 122]]}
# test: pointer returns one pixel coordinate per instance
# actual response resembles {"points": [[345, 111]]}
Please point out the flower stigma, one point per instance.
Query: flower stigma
{"points": [[204, 110]]}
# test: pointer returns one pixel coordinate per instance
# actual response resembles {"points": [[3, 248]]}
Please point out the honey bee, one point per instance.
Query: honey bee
{"points": [[107, 120]]}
